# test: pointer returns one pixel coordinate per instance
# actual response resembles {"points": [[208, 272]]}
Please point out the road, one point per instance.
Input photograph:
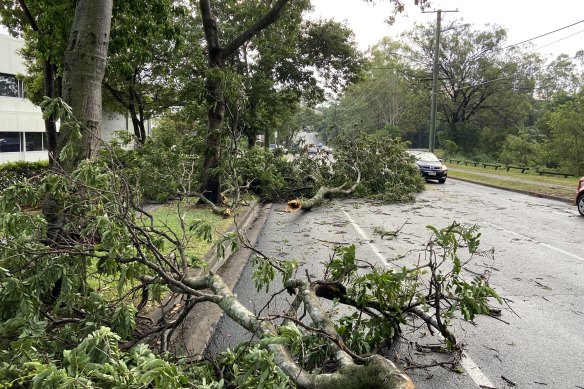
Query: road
{"points": [[538, 268]]}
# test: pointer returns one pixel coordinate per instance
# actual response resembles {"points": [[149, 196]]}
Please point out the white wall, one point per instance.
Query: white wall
{"points": [[17, 114], [10, 61]]}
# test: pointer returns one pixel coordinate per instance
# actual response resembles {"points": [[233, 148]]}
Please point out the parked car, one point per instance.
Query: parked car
{"points": [[429, 165], [579, 198], [311, 150]]}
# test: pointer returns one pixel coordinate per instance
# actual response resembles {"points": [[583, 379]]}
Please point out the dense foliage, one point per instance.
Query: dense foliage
{"points": [[164, 167], [386, 172], [496, 103], [72, 310], [77, 278], [13, 172]]}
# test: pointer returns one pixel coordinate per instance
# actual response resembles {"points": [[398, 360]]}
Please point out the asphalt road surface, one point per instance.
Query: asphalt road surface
{"points": [[538, 268]]}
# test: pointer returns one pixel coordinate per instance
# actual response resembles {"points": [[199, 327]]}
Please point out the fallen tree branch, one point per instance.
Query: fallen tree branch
{"points": [[323, 191], [225, 212], [376, 372], [431, 321]]}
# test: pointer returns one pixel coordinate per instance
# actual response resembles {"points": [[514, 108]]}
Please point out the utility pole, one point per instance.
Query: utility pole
{"points": [[435, 78]]}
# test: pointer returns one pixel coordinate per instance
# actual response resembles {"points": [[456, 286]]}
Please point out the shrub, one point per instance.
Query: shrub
{"points": [[164, 166], [13, 172]]}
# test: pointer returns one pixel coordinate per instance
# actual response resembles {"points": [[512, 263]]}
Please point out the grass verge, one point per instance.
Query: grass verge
{"points": [[167, 219], [554, 186]]}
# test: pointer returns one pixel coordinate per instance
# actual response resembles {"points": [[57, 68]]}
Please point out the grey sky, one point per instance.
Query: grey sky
{"points": [[524, 19]]}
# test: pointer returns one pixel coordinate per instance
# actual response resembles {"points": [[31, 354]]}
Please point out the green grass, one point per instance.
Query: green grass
{"points": [[167, 219], [529, 181]]}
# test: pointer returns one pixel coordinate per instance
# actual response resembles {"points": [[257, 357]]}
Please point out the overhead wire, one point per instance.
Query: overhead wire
{"points": [[542, 35], [559, 40]]}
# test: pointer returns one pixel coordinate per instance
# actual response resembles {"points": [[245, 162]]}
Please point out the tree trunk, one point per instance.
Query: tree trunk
{"points": [[50, 125], [50, 77], [136, 112], [83, 72], [211, 184], [137, 125], [210, 178]]}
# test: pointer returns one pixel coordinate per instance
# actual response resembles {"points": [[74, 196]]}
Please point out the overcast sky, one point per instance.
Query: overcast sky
{"points": [[523, 19]]}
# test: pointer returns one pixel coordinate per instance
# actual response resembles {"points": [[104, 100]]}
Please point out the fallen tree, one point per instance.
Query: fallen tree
{"points": [[57, 302]]}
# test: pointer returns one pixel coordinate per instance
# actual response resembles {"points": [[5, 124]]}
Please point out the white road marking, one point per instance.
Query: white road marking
{"points": [[536, 241], [474, 372], [471, 368], [366, 238]]}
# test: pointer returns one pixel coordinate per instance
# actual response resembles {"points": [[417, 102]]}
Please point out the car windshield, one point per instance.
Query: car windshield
{"points": [[427, 157]]}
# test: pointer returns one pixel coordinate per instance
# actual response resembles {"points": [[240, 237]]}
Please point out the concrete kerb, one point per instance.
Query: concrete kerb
{"points": [[243, 223], [194, 334], [525, 192]]}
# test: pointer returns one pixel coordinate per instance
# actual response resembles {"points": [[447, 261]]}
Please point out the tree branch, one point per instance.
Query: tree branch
{"points": [[272, 16]]}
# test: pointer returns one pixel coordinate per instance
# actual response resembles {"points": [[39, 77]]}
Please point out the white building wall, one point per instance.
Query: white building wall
{"points": [[10, 60], [18, 114]]}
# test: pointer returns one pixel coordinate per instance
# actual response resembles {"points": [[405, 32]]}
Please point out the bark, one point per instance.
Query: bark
{"points": [[137, 115], [49, 74], [323, 191], [83, 72], [50, 125]]}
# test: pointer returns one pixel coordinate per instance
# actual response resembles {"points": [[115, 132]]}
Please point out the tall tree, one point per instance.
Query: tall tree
{"points": [[477, 74], [388, 97], [562, 75], [285, 72], [83, 71], [218, 53], [567, 143], [144, 54]]}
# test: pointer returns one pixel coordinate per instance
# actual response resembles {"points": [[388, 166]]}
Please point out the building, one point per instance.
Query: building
{"points": [[22, 129]]}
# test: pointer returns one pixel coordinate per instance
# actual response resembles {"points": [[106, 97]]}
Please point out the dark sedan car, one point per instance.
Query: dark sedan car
{"points": [[580, 196], [430, 166]]}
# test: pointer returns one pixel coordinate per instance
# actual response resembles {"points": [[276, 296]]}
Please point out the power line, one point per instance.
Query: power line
{"points": [[542, 35], [559, 40]]}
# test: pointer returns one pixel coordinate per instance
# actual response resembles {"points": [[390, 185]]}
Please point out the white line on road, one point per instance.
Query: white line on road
{"points": [[535, 241], [472, 369], [367, 239]]}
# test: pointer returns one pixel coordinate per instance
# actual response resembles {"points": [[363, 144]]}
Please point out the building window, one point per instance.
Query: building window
{"points": [[35, 141], [10, 86], [10, 142]]}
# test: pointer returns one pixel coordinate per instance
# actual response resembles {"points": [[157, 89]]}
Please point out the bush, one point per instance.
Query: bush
{"points": [[387, 172], [267, 174], [13, 172], [164, 166], [519, 149]]}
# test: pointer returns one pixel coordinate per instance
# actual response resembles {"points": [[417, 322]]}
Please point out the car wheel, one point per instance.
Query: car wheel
{"points": [[442, 180], [580, 203]]}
